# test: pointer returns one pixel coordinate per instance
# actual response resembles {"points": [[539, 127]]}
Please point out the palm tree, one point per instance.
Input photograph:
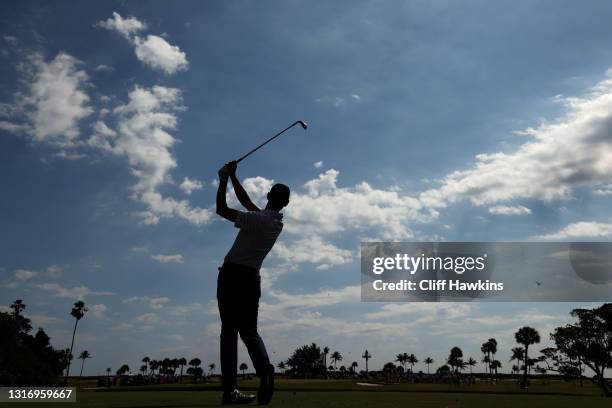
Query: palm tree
{"points": [[18, 306], [518, 355], [354, 366], [471, 362], [526, 336], [412, 360], [401, 358], [83, 356], [182, 362], [455, 358], [243, 367], [78, 311], [489, 347], [366, 356], [495, 364], [153, 365], [281, 366], [428, 361], [146, 360], [211, 368], [335, 357], [325, 353], [143, 369]]}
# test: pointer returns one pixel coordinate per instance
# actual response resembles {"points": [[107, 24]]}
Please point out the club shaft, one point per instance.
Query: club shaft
{"points": [[266, 142]]}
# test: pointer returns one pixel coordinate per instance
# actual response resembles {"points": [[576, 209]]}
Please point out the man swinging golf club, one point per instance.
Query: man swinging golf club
{"points": [[239, 283]]}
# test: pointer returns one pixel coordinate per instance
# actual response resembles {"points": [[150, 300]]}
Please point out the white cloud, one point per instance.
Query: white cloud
{"points": [[313, 250], [78, 292], [24, 274], [54, 271], [190, 185], [157, 53], [509, 210], [334, 101], [98, 310], [12, 40], [54, 102], [126, 27], [584, 229], [317, 165], [573, 151], [153, 302], [152, 50], [104, 67], [141, 135], [148, 318], [177, 258], [603, 190]]}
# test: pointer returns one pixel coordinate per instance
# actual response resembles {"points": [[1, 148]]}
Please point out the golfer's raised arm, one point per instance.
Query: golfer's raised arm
{"points": [[222, 209], [241, 194]]}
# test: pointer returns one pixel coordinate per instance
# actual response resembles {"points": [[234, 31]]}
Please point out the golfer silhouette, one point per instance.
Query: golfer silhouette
{"points": [[239, 284]]}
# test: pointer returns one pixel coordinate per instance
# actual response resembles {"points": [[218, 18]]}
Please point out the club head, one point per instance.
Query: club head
{"points": [[303, 124]]}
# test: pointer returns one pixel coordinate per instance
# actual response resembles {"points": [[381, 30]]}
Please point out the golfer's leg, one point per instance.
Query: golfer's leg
{"points": [[229, 334], [248, 332]]}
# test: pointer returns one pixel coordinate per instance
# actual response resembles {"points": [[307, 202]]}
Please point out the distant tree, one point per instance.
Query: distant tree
{"points": [[211, 368], [335, 357], [281, 366], [587, 341], [495, 365], [389, 370], [25, 359], [123, 370], [518, 354], [471, 362], [366, 356], [412, 360], [306, 362], [153, 365], [526, 336], [428, 361], [143, 369], [455, 358], [182, 362], [488, 348], [354, 366], [146, 360], [243, 367], [78, 311], [401, 358], [325, 353], [108, 371], [83, 356], [443, 370]]}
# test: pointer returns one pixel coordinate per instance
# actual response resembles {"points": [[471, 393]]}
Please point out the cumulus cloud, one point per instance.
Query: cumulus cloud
{"points": [[312, 250], [124, 26], [98, 310], [153, 302], [157, 53], [583, 229], [575, 150], [54, 271], [190, 185], [24, 274], [77, 292], [177, 258], [53, 103], [317, 165], [104, 67], [152, 50], [509, 210], [141, 135]]}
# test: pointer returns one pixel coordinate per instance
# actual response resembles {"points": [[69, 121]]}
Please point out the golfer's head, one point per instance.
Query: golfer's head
{"points": [[278, 197]]}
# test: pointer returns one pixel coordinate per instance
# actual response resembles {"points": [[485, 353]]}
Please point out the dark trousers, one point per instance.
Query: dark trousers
{"points": [[238, 292]]}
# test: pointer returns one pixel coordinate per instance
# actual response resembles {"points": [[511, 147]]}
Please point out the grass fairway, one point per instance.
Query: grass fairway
{"points": [[344, 393]]}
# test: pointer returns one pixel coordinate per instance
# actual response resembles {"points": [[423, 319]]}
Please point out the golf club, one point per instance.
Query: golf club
{"points": [[301, 122]]}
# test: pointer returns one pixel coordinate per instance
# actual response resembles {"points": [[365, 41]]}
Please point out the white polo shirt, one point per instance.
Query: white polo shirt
{"points": [[258, 233]]}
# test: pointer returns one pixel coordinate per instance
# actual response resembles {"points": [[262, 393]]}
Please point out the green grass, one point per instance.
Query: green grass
{"points": [[346, 393]]}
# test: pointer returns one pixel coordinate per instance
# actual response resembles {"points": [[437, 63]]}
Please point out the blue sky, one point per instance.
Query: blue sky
{"points": [[428, 120]]}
